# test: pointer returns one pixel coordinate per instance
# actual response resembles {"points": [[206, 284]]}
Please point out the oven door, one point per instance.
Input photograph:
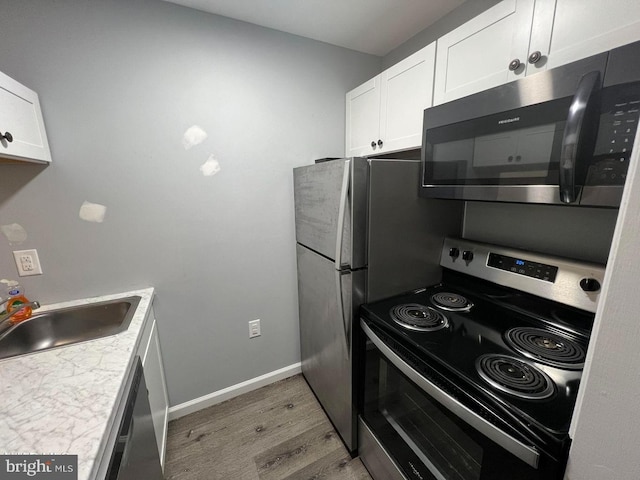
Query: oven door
{"points": [[429, 434]]}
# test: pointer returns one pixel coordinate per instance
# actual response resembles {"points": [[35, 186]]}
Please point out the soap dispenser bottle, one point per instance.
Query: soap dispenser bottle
{"points": [[15, 298]]}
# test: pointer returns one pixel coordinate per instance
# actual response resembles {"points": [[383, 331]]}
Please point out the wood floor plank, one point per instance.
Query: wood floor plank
{"points": [[294, 454], [337, 465], [276, 432]]}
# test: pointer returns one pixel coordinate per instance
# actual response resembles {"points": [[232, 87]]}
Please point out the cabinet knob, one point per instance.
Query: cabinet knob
{"points": [[535, 57], [380, 143], [514, 64], [373, 144], [7, 136]]}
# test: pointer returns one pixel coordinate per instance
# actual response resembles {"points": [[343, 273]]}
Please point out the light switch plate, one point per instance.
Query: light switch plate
{"points": [[27, 262]]}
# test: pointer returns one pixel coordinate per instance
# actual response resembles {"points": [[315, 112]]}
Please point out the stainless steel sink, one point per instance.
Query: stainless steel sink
{"points": [[65, 326]]}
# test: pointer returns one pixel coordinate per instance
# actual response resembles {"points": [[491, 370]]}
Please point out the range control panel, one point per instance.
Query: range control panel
{"points": [[563, 280], [523, 267]]}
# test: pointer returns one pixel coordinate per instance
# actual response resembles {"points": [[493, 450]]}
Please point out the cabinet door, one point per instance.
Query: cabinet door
{"points": [[587, 27], [406, 90], [476, 55], [21, 123], [363, 119], [154, 376]]}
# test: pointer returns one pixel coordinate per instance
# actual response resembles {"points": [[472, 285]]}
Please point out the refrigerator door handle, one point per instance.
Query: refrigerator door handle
{"points": [[343, 317], [344, 193]]}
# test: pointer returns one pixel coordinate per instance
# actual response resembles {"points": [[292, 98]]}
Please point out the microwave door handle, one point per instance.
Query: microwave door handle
{"points": [[344, 197], [524, 452], [572, 130]]}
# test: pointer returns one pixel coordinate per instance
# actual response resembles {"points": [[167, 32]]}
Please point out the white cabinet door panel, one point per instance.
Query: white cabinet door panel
{"points": [[407, 89], [587, 27], [154, 376], [476, 56], [21, 117], [363, 118], [151, 356]]}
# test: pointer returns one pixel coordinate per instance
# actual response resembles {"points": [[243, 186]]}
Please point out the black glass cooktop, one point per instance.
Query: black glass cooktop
{"points": [[512, 349]]}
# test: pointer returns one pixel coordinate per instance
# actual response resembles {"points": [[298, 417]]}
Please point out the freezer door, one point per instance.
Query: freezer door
{"points": [[326, 337], [328, 196]]}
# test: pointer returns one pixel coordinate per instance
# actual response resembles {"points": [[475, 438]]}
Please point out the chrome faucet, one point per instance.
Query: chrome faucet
{"points": [[5, 320]]}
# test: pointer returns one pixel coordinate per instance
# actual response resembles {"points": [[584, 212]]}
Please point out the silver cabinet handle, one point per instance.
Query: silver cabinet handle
{"points": [[514, 64], [535, 57], [524, 452]]}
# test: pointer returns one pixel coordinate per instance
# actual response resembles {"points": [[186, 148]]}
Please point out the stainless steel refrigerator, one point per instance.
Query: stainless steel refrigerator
{"points": [[362, 234]]}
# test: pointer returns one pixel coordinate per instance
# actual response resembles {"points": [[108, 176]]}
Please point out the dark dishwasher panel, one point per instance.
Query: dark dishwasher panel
{"points": [[135, 455]]}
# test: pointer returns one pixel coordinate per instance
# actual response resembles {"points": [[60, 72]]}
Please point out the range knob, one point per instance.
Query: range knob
{"points": [[467, 255], [589, 284], [454, 252]]}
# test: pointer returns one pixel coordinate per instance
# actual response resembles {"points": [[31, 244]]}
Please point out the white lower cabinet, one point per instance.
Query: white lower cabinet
{"points": [[151, 357], [22, 133], [385, 114]]}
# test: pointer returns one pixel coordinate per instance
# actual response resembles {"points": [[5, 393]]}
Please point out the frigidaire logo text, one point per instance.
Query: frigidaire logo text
{"points": [[509, 120]]}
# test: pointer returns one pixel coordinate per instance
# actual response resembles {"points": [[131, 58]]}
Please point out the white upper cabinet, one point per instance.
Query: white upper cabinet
{"points": [[385, 114], [587, 27], [22, 133], [363, 118], [522, 37], [489, 50]]}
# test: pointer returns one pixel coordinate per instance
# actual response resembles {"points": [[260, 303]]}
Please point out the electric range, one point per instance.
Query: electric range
{"points": [[482, 369]]}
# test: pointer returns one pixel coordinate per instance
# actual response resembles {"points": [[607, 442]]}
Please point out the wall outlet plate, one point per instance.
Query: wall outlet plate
{"points": [[27, 262], [254, 328]]}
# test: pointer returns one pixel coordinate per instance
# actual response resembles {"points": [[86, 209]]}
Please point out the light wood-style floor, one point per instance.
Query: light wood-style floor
{"points": [[278, 432]]}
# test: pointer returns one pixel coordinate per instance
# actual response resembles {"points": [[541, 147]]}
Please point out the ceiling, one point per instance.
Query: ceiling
{"points": [[369, 26]]}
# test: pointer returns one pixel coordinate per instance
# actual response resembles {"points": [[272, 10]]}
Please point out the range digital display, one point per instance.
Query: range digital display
{"points": [[523, 267]]}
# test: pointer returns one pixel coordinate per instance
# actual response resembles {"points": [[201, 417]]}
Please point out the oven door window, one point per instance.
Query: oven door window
{"points": [[424, 438], [520, 147]]}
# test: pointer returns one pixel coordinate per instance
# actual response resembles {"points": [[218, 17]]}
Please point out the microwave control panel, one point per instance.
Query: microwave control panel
{"points": [[616, 133]]}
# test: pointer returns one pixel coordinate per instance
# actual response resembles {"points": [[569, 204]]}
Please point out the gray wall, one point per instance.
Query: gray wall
{"points": [[119, 83], [451, 21], [573, 232]]}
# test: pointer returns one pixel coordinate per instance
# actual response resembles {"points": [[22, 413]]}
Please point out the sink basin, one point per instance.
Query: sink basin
{"points": [[65, 326]]}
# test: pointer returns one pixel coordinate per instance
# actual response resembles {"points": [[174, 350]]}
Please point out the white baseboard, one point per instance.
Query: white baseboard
{"points": [[220, 396]]}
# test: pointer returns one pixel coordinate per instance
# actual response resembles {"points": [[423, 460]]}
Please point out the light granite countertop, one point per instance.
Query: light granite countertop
{"points": [[64, 400]]}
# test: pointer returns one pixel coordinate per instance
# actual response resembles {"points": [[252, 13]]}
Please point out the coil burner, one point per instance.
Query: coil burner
{"points": [[451, 301], [515, 377], [418, 317], [547, 347]]}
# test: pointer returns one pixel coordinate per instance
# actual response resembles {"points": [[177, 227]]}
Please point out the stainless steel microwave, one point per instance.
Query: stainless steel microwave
{"points": [[563, 136]]}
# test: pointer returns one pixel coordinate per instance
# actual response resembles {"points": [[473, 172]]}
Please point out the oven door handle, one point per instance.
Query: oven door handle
{"points": [[524, 452], [571, 137]]}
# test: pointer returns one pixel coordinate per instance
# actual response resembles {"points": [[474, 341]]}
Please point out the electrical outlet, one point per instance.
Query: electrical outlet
{"points": [[254, 328], [27, 262]]}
